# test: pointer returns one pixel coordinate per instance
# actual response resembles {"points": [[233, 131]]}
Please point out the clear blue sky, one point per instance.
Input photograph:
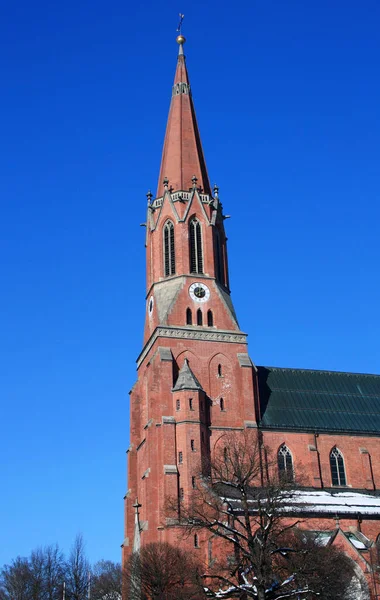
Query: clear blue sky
{"points": [[287, 96]]}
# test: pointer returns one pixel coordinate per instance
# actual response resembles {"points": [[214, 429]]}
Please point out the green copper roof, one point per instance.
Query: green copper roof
{"points": [[305, 400]]}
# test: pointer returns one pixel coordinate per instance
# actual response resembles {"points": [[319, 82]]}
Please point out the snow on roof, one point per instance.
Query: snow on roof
{"points": [[347, 502], [354, 540], [322, 501]]}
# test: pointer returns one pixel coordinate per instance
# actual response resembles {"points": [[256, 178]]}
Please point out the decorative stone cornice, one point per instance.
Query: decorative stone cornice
{"points": [[192, 333]]}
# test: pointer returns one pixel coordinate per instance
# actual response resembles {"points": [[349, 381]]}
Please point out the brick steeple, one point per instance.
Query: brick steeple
{"points": [[182, 156], [195, 378]]}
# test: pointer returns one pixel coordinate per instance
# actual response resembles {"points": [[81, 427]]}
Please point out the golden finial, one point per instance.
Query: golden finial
{"points": [[181, 39]]}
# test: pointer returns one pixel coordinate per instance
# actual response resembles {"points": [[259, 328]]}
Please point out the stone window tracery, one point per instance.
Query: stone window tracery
{"points": [[285, 463], [338, 473]]}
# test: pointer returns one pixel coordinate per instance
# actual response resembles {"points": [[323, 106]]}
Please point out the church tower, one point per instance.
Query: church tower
{"points": [[195, 378]]}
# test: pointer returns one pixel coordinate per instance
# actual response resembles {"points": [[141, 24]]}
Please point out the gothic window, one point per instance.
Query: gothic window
{"points": [[192, 445], [169, 250], [189, 317], [180, 457], [196, 541], [191, 404], [178, 404], [220, 371], [199, 317], [285, 464], [210, 318], [338, 475], [221, 404], [218, 257], [196, 254]]}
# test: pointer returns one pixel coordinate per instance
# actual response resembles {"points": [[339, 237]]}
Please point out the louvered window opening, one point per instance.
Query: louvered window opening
{"points": [[169, 249], [338, 474], [218, 258], [189, 317], [196, 255], [285, 464], [199, 317]]}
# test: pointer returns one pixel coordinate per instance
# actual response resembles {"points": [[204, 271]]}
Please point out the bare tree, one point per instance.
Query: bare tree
{"points": [[54, 568], [77, 571], [15, 580], [36, 570], [106, 581], [39, 577], [264, 556], [162, 572]]}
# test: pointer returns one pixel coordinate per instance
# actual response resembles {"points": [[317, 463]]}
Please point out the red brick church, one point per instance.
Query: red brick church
{"points": [[197, 379]]}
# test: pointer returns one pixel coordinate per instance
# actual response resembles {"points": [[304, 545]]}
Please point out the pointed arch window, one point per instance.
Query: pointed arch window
{"points": [[189, 317], [199, 317], [218, 257], [338, 473], [285, 464], [169, 249], [196, 253], [210, 318]]}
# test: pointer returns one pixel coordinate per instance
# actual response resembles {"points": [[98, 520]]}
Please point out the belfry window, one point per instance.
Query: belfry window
{"points": [[338, 474], [210, 318], [196, 254], [189, 317], [285, 464], [199, 317], [218, 257], [169, 249]]}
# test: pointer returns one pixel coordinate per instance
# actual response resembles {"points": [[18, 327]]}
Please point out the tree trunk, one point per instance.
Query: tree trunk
{"points": [[261, 593]]}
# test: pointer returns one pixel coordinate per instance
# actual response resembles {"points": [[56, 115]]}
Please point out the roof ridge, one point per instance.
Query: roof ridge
{"points": [[294, 390], [330, 372]]}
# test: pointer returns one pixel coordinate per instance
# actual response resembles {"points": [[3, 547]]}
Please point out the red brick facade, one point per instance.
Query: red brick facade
{"points": [[172, 429]]}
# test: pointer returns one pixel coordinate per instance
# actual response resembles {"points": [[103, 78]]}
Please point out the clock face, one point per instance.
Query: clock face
{"points": [[199, 292]]}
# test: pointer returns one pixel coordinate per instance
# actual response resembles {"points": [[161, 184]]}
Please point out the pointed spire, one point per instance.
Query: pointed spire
{"points": [[182, 155], [186, 379]]}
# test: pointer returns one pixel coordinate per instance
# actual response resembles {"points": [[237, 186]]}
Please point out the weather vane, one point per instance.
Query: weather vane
{"points": [[179, 28]]}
